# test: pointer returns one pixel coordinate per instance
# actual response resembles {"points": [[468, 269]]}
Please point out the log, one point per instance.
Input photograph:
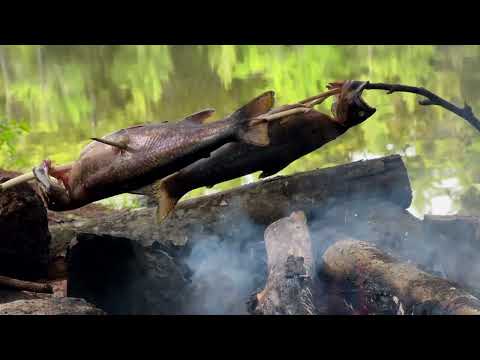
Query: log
{"points": [[50, 306], [25, 285], [24, 235], [121, 277], [291, 269], [381, 281], [244, 212]]}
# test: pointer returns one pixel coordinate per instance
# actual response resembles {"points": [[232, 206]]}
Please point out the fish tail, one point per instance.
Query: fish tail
{"points": [[252, 131]]}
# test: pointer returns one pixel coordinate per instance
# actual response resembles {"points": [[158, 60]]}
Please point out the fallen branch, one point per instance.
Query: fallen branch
{"points": [[431, 99], [291, 268], [383, 281], [25, 285]]}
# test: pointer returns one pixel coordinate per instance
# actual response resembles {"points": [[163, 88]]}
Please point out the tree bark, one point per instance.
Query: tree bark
{"points": [[244, 212], [380, 281], [291, 269]]}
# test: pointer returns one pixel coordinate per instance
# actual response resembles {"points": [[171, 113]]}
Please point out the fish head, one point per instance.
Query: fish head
{"points": [[349, 108]]}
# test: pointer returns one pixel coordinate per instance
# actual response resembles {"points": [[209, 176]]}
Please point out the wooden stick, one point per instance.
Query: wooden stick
{"points": [[280, 114], [25, 178], [25, 285], [314, 100], [431, 99]]}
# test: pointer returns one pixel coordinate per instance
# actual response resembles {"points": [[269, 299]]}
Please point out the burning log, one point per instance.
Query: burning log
{"points": [[382, 281], [257, 205], [291, 268], [25, 285]]}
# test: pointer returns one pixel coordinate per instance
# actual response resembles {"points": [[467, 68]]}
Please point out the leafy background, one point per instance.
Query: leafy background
{"points": [[54, 98]]}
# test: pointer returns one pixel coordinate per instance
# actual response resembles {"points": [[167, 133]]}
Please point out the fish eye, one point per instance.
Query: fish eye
{"points": [[361, 113]]}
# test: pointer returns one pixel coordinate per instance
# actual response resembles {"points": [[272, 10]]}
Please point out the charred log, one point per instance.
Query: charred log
{"points": [[385, 285], [291, 268], [121, 277], [24, 239]]}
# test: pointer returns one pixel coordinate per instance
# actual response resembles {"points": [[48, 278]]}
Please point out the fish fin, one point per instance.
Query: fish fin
{"points": [[165, 201], [122, 145], [255, 134], [258, 106], [198, 117], [253, 131]]}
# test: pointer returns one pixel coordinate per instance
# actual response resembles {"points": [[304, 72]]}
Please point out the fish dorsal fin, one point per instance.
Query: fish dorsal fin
{"points": [[121, 143], [199, 117], [258, 106]]}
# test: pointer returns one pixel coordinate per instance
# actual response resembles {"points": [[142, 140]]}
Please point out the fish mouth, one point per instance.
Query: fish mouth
{"points": [[349, 107], [356, 89]]}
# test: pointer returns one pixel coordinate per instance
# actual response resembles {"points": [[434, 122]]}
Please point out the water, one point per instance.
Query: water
{"points": [[66, 94]]}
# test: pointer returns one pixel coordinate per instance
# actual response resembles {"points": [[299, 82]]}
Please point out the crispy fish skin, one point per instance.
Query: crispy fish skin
{"points": [[134, 157], [290, 139]]}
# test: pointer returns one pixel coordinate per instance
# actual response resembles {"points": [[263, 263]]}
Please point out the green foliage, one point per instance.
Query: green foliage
{"points": [[10, 130]]}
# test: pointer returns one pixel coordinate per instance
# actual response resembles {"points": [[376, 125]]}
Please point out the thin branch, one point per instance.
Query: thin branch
{"points": [[431, 99]]}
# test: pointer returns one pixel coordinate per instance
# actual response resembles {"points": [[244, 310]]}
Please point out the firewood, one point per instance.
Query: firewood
{"points": [[25, 285], [291, 268], [382, 281]]}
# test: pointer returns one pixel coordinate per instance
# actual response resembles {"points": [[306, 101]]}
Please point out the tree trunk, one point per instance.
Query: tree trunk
{"points": [[386, 285], [291, 269]]}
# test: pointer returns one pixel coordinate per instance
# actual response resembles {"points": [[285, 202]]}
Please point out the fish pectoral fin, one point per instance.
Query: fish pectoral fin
{"points": [[165, 201], [256, 134], [122, 145], [199, 117]]}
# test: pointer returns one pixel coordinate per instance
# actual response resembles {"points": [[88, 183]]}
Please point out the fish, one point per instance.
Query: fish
{"points": [[292, 137], [136, 156]]}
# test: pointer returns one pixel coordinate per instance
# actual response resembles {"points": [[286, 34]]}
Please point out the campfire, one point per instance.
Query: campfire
{"points": [[337, 240], [331, 241]]}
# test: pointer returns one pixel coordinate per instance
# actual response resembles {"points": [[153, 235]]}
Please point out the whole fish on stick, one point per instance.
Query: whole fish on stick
{"points": [[134, 157], [293, 136]]}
